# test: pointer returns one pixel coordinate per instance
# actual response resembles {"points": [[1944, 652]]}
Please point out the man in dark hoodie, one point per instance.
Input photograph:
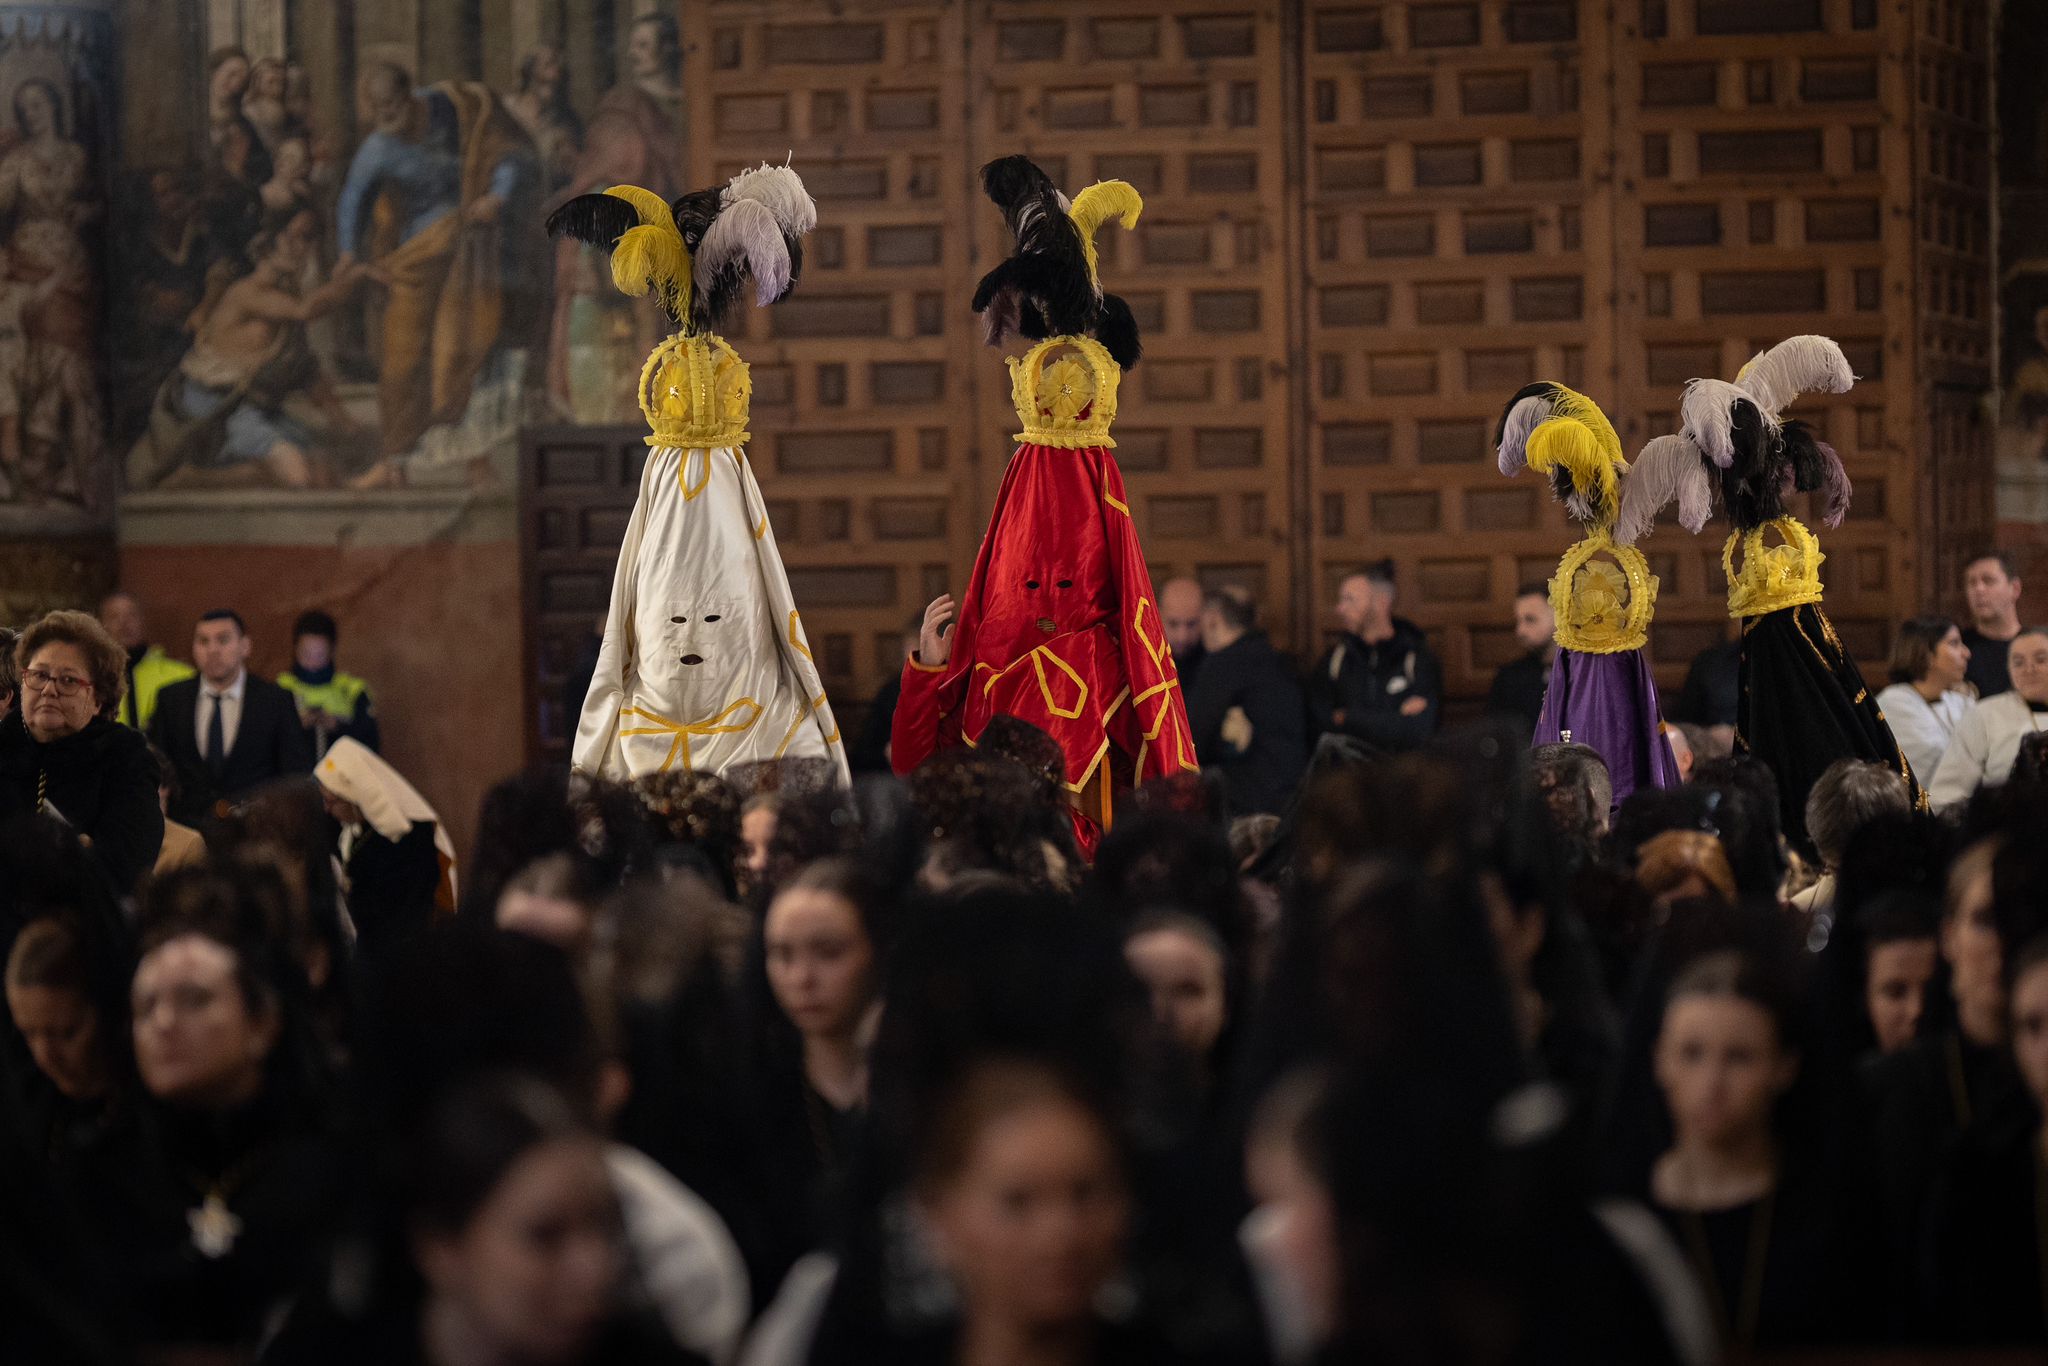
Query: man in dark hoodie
{"points": [[1380, 682], [1245, 708]]}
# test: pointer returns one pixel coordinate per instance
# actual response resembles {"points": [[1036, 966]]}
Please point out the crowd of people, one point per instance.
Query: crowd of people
{"points": [[1378, 1040]]}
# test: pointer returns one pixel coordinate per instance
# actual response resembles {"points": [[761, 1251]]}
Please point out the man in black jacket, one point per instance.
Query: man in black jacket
{"points": [[1245, 708], [1380, 682], [1519, 684], [227, 731]]}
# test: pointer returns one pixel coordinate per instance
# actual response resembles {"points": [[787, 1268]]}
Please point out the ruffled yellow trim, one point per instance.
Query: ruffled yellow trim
{"points": [[1603, 606], [696, 393], [1772, 577], [1068, 401]]}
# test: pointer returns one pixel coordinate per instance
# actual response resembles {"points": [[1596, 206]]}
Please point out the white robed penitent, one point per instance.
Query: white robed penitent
{"points": [[704, 663]]}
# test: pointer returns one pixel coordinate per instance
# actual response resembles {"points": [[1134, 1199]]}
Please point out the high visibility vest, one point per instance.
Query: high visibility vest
{"points": [[150, 675], [337, 696]]}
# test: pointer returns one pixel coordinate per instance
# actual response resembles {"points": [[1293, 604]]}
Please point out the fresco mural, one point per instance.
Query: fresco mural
{"points": [[2023, 286], [348, 289], [53, 164]]}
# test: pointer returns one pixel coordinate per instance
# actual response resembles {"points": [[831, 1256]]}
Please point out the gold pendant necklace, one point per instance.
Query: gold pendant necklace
{"points": [[214, 1226]]}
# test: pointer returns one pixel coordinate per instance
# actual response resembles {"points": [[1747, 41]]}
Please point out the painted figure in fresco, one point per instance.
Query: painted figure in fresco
{"points": [[47, 200], [237, 147], [595, 341], [542, 108], [422, 206], [265, 109], [220, 419]]}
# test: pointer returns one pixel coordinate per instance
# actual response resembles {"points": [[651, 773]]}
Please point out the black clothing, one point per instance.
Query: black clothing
{"points": [[391, 886], [1990, 1226], [102, 781], [317, 1334], [1777, 1254], [1919, 1103], [1987, 668], [1804, 706], [1713, 686], [1250, 674], [1358, 689], [870, 753], [274, 1170], [359, 725], [269, 743], [1189, 667], [1518, 688]]}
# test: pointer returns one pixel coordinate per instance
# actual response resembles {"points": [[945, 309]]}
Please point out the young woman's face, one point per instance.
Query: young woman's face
{"points": [[2030, 1031], [1033, 1226], [1295, 1222], [1185, 978], [197, 1042], [1969, 941], [535, 1271], [1950, 663], [821, 964], [1721, 1067], [1895, 990], [757, 832], [62, 1031]]}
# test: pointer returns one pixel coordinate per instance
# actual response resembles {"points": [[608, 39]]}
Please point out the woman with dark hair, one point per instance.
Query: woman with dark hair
{"points": [[514, 1247], [63, 754], [1752, 1218], [77, 1067], [224, 1204], [1929, 690]]}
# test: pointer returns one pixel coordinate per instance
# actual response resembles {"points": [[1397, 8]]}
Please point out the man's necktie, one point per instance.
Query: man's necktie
{"points": [[216, 737]]}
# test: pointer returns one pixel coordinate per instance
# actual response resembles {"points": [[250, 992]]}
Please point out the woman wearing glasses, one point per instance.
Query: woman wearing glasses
{"points": [[62, 754]]}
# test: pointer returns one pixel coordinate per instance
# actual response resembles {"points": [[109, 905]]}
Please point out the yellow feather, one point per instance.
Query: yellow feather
{"points": [[648, 257], [651, 207], [1096, 205], [1580, 449], [1575, 406]]}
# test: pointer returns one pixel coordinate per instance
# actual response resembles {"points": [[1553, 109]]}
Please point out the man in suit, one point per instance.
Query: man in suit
{"points": [[1245, 709], [1519, 684], [227, 731]]}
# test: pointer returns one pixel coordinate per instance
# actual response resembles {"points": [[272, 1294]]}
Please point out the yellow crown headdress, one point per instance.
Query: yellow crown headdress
{"points": [[1603, 593], [1772, 577]]}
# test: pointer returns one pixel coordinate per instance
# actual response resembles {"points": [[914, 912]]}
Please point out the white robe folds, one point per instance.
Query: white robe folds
{"points": [[704, 664]]}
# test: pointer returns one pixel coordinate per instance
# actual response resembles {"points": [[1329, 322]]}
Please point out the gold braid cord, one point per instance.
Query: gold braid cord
{"points": [[1067, 402], [1772, 577], [1602, 606], [696, 393]]}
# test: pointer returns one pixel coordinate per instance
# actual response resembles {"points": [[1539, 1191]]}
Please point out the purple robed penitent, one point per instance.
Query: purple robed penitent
{"points": [[1609, 701]]}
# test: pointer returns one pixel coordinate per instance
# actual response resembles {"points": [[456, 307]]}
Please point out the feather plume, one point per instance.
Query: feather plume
{"points": [[598, 219], [1668, 468], [1574, 448], [1570, 403], [651, 208], [1798, 365], [1812, 466], [1708, 414], [652, 258], [1117, 330], [1098, 204], [781, 191], [745, 240], [694, 213], [1517, 420]]}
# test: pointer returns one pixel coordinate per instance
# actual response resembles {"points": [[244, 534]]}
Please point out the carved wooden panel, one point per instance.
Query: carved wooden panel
{"points": [[1450, 257]]}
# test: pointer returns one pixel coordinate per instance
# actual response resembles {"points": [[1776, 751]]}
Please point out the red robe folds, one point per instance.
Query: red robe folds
{"points": [[1058, 627]]}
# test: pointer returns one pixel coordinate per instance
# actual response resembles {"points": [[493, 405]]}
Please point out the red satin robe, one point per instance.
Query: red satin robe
{"points": [[1059, 627]]}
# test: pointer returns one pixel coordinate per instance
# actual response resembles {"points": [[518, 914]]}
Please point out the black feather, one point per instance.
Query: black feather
{"points": [[796, 261], [1802, 453], [1015, 180], [1047, 302], [599, 219], [1117, 330], [1542, 389], [694, 213], [1752, 487]]}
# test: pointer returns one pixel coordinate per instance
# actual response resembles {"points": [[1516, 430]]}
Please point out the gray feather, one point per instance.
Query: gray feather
{"points": [[1668, 468], [1521, 420], [1705, 412], [1798, 365], [781, 191], [746, 234]]}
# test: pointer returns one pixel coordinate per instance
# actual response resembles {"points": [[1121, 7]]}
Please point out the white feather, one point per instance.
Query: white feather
{"points": [[781, 190], [1522, 419], [746, 233], [1667, 468], [1705, 413], [1795, 366]]}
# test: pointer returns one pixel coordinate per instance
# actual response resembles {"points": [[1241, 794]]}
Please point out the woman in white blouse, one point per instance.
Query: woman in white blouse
{"points": [[1927, 696], [1988, 740]]}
